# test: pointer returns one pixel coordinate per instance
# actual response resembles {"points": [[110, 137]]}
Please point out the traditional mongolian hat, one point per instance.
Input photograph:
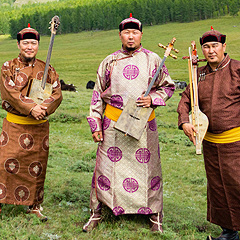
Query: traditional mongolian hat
{"points": [[28, 33], [131, 23], [212, 36]]}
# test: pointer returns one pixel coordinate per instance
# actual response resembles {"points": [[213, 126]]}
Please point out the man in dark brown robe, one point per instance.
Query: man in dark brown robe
{"points": [[219, 99], [24, 141]]}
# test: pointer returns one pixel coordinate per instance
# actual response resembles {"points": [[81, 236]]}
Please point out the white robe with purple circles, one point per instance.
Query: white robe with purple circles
{"points": [[127, 176]]}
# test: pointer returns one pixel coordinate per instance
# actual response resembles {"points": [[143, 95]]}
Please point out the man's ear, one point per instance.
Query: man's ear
{"points": [[18, 45], [224, 46]]}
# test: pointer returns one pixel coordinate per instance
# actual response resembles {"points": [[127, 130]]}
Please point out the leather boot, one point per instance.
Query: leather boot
{"points": [[226, 234], [156, 222], [93, 221], [36, 209]]}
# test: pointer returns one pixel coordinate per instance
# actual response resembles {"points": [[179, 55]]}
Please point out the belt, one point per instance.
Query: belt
{"points": [[114, 113], [13, 118], [229, 136]]}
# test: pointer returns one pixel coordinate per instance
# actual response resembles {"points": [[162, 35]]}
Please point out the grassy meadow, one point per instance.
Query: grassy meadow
{"points": [[72, 151]]}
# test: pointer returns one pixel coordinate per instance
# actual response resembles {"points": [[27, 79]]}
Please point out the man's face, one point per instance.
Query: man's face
{"points": [[214, 52], [131, 39], [28, 49]]}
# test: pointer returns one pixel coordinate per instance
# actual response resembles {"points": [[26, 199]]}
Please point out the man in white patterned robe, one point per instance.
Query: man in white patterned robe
{"points": [[127, 176]]}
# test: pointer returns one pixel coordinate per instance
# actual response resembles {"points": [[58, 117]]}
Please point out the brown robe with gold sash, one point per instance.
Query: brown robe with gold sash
{"points": [[219, 99], [24, 148]]}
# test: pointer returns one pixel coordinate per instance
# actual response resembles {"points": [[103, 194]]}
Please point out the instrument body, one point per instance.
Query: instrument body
{"points": [[40, 90], [197, 118], [133, 119]]}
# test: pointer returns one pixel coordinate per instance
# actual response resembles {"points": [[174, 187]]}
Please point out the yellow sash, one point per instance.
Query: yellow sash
{"points": [[229, 136], [114, 113], [23, 120]]}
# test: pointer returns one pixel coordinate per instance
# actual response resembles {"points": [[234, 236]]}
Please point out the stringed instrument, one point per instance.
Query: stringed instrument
{"points": [[40, 90], [133, 119], [197, 118]]}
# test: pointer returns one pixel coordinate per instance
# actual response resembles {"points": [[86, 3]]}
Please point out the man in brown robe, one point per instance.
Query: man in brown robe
{"points": [[219, 99], [24, 141]]}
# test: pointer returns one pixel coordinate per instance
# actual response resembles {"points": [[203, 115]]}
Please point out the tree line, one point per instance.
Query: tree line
{"points": [[79, 15]]}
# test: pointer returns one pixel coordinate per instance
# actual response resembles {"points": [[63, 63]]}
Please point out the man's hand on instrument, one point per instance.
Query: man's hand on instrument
{"points": [[39, 112], [144, 101], [97, 136], [189, 131]]}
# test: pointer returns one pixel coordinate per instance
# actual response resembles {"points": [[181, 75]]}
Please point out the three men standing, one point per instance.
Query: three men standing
{"points": [[127, 176], [24, 141], [219, 92]]}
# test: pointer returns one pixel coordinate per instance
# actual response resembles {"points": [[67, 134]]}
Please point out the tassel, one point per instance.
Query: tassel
{"points": [[212, 28], [29, 25], [130, 15]]}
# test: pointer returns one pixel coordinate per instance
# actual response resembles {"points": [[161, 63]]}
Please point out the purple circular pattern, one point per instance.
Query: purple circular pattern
{"points": [[114, 154], [92, 124], [154, 71], [45, 143], [169, 91], [40, 194], [3, 139], [130, 72], [152, 125], [12, 165], [22, 193], [3, 191], [94, 98], [130, 185], [159, 101], [26, 141], [104, 183], [155, 183], [144, 210], [118, 211], [106, 123], [143, 155], [35, 169], [116, 101], [165, 70]]}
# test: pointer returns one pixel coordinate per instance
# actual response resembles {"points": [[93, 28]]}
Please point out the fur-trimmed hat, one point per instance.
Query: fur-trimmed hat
{"points": [[212, 36], [131, 23], [28, 33]]}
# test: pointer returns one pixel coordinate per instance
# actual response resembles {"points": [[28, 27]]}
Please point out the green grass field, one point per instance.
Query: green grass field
{"points": [[72, 152]]}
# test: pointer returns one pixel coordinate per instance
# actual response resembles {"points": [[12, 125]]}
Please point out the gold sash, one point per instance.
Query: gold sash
{"points": [[229, 136], [23, 120], [114, 113]]}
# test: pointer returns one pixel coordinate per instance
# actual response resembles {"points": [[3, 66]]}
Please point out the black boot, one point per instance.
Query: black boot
{"points": [[226, 234]]}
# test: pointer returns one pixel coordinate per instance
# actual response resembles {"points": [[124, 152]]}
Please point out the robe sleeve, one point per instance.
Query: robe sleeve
{"points": [[163, 88], [97, 106], [11, 94], [184, 107]]}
